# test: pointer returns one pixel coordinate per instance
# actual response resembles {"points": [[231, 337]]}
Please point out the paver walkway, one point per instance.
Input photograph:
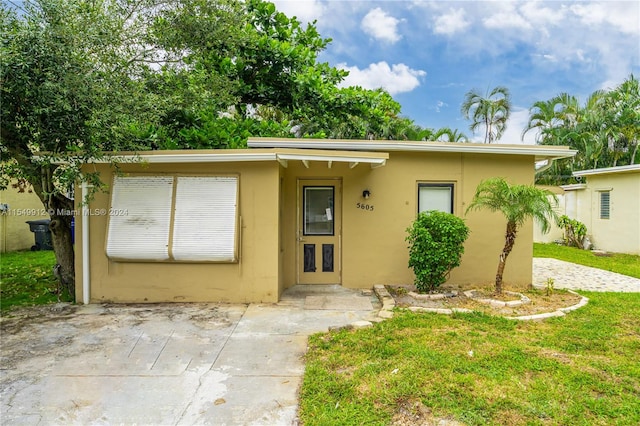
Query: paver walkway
{"points": [[578, 277]]}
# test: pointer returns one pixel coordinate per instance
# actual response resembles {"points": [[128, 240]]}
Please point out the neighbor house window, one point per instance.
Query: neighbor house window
{"points": [[605, 204], [435, 196], [180, 218]]}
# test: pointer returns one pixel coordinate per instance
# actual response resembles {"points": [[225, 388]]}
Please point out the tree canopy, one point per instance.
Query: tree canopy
{"points": [[605, 130], [83, 79]]}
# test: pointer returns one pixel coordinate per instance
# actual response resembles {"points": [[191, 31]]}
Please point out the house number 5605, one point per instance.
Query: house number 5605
{"points": [[363, 206]]}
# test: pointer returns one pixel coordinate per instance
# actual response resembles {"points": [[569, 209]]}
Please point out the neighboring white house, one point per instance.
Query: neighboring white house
{"points": [[608, 203]]}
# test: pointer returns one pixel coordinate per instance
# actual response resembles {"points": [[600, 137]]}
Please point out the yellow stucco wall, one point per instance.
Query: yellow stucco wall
{"points": [[621, 232], [23, 206], [372, 244], [253, 279], [374, 250]]}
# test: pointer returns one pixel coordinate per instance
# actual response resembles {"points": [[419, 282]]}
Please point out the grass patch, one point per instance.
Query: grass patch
{"points": [[479, 369], [626, 264], [26, 278]]}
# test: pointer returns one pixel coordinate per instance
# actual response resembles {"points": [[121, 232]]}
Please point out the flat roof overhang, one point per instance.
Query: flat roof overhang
{"points": [[633, 168], [540, 152], [282, 156]]}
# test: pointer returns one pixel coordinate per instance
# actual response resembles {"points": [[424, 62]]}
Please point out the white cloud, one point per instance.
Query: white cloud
{"points": [[517, 122], [621, 15], [450, 23], [397, 78], [506, 19], [535, 12], [379, 25], [305, 10]]}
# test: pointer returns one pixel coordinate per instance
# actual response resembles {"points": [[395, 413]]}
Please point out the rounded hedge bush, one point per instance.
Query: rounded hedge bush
{"points": [[436, 244]]}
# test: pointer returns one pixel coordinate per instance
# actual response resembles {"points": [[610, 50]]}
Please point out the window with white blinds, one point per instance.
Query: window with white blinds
{"points": [[605, 204], [143, 232], [435, 196], [199, 225], [204, 226]]}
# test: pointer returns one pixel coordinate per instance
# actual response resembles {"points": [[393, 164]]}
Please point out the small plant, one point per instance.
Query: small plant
{"points": [[549, 286], [574, 231], [435, 247]]}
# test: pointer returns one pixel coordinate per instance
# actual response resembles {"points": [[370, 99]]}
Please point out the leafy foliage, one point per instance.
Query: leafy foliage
{"points": [[517, 203], [605, 130], [436, 244], [574, 231]]}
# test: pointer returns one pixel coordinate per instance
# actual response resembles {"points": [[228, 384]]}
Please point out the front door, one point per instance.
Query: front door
{"points": [[319, 231]]}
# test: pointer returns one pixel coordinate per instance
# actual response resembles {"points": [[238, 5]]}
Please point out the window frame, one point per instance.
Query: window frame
{"points": [[304, 212], [172, 219], [601, 205], [450, 185]]}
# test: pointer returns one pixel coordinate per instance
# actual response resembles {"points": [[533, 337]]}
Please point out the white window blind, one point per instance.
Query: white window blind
{"points": [[143, 232], [435, 197], [605, 204], [204, 226]]}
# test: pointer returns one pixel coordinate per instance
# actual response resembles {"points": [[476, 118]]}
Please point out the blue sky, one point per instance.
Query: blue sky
{"points": [[428, 54]]}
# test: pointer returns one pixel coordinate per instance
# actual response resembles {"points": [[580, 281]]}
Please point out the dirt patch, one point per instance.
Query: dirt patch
{"points": [[538, 301], [415, 413]]}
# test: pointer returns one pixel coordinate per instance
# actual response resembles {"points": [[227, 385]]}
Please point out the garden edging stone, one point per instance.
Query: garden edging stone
{"points": [[388, 305]]}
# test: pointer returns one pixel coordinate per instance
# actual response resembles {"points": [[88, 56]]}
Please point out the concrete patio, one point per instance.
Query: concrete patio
{"points": [[166, 364]]}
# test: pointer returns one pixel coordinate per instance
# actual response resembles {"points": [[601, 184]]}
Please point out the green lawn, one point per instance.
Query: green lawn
{"points": [[581, 369], [26, 278], [626, 264]]}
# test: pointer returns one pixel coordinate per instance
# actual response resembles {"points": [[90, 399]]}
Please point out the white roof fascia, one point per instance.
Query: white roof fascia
{"points": [[376, 159], [540, 151], [574, 186], [161, 158], [617, 169], [198, 158]]}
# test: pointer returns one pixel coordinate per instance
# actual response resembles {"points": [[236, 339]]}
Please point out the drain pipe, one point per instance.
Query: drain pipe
{"points": [[85, 244], [544, 167]]}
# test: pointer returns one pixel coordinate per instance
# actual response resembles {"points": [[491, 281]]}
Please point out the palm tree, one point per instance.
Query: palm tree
{"points": [[447, 134], [517, 203], [543, 117], [490, 112]]}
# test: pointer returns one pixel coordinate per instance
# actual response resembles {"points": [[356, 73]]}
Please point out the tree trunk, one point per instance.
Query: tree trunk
{"points": [[510, 239], [60, 227], [60, 209]]}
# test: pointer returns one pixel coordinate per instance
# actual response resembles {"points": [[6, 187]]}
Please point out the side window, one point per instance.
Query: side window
{"points": [[435, 196], [174, 218], [605, 204]]}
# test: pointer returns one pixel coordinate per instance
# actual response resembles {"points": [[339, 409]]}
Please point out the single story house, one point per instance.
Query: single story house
{"points": [[608, 203], [244, 225]]}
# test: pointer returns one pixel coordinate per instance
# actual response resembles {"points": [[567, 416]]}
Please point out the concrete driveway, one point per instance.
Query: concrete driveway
{"points": [[166, 364]]}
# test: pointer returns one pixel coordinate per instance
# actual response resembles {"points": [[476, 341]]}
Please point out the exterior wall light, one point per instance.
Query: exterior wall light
{"points": [[366, 194]]}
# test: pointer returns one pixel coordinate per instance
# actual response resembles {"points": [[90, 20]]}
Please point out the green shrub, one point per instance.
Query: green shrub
{"points": [[574, 231], [435, 247]]}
